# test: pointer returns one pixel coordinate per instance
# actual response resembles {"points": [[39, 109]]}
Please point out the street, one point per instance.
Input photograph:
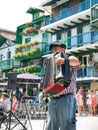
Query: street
{"points": [[87, 123], [83, 123]]}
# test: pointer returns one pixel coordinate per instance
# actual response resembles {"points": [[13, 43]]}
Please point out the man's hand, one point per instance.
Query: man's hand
{"points": [[74, 61], [59, 61]]}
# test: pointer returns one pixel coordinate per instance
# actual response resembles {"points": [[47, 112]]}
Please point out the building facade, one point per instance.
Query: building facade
{"points": [[69, 23], [7, 50], [30, 46]]}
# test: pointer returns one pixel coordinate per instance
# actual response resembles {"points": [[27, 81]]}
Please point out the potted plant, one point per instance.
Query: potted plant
{"points": [[96, 64], [36, 42], [20, 46], [82, 66], [15, 70], [29, 24], [32, 44], [29, 30]]}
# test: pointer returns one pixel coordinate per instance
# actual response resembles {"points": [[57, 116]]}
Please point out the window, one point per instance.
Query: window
{"points": [[58, 36], [8, 54], [1, 57], [36, 16], [47, 48], [54, 38], [74, 37], [79, 30], [63, 38], [64, 35], [27, 39], [84, 60], [45, 38]]}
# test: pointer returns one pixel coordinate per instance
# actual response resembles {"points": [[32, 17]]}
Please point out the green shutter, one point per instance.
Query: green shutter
{"points": [[45, 37], [18, 37], [8, 54]]}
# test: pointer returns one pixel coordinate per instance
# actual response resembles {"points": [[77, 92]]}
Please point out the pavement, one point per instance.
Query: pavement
{"points": [[83, 123], [87, 123]]}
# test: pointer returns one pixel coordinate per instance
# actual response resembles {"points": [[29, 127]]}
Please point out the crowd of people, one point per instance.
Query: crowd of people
{"points": [[14, 101], [89, 101], [9, 101], [87, 104]]}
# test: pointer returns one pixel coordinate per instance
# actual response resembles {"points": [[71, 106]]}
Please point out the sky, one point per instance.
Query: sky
{"points": [[13, 12]]}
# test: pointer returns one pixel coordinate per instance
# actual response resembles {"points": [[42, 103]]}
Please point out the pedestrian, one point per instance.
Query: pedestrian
{"points": [[6, 102], [89, 102], [62, 106], [5, 106], [94, 102], [83, 98], [18, 95], [80, 102], [14, 104]]}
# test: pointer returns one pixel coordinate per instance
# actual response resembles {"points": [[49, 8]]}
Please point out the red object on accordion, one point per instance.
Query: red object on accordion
{"points": [[54, 89]]}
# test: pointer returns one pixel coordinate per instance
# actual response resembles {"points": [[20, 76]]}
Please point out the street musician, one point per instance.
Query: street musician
{"points": [[62, 106]]}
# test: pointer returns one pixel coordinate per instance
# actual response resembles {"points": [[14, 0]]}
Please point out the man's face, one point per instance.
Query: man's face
{"points": [[57, 48]]}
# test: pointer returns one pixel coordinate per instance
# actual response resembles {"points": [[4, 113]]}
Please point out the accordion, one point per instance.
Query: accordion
{"points": [[55, 79]]}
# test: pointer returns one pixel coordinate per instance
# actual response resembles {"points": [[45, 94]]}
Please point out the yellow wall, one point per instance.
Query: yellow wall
{"points": [[94, 86]]}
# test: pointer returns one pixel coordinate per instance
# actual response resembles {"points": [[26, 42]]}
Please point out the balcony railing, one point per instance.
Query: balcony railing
{"points": [[94, 12], [82, 39], [87, 72], [30, 69], [29, 51], [38, 54], [94, 16], [9, 64], [78, 40], [71, 11]]}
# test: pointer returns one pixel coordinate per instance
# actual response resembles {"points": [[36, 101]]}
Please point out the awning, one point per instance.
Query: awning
{"points": [[27, 77], [32, 10], [2, 40]]}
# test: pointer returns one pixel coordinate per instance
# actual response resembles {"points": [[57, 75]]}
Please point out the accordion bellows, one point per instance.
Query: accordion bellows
{"points": [[55, 78]]}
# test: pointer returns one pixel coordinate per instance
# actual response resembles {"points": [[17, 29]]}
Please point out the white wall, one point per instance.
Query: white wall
{"points": [[6, 49], [34, 38]]}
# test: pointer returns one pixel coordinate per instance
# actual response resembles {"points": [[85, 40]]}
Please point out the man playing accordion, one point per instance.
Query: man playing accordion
{"points": [[62, 106]]}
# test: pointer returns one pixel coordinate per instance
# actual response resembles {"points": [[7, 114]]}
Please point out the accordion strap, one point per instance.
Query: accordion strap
{"points": [[67, 68]]}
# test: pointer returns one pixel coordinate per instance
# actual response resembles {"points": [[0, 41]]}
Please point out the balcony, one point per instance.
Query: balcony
{"points": [[33, 54], [94, 17], [29, 51], [29, 31], [30, 69], [79, 42], [71, 11], [87, 73], [9, 64], [82, 39]]}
